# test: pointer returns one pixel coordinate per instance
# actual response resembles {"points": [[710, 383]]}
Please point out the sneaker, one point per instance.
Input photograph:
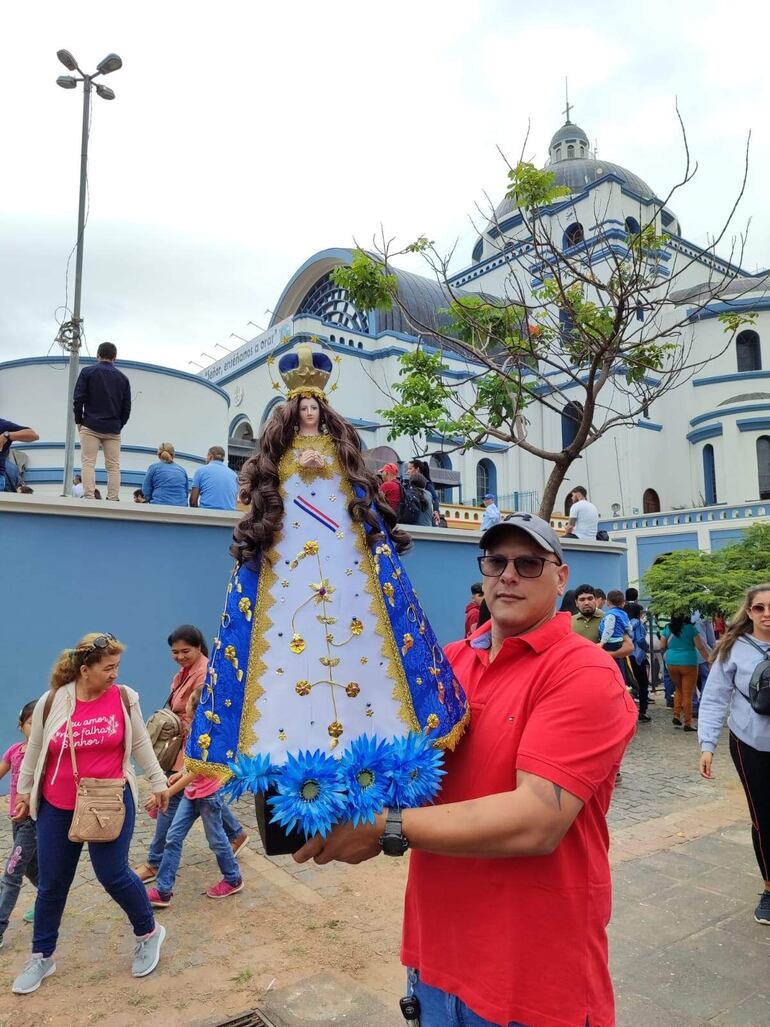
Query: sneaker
{"points": [[223, 890], [146, 873], [29, 916], [689, 727], [676, 722], [34, 973], [147, 951], [158, 900], [762, 912], [238, 843], [644, 718]]}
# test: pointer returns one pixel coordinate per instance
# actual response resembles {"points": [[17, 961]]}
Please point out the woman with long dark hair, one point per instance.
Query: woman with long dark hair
{"points": [[326, 680], [681, 644], [191, 654], [744, 644]]}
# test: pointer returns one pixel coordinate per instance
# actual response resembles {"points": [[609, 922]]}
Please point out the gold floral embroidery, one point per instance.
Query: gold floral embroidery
{"points": [[245, 607], [297, 644], [356, 626], [432, 722], [310, 548], [387, 588], [352, 689], [302, 687], [407, 642]]}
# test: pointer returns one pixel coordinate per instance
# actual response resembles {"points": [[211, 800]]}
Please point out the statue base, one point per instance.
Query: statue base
{"points": [[275, 839]]}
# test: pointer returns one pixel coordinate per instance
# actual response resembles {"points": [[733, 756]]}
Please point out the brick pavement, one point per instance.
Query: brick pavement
{"points": [[319, 945]]}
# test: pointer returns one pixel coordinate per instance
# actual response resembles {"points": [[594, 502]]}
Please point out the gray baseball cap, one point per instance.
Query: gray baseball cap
{"points": [[537, 529]]}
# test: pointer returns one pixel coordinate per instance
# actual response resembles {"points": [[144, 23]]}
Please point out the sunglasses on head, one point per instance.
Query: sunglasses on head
{"points": [[101, 642]]}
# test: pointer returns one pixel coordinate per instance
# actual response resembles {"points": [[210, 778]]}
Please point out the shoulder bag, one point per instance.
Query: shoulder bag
{"points": [[99, 807], [759, 685]]}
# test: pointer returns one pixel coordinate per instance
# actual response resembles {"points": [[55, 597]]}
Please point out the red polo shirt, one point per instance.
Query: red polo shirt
{"points": [[523, 938]]}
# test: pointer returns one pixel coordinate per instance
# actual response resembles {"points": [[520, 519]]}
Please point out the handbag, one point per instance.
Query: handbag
{"points": [[99, 811], [759, 685]]}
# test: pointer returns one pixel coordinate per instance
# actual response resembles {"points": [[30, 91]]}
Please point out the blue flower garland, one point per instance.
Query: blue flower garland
{"points": [[315, 791]]}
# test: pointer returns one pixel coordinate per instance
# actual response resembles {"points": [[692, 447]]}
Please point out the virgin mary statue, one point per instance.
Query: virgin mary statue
{"points": [[326, 688]]}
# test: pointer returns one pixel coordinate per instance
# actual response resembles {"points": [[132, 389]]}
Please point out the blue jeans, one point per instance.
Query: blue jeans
{"points": [[233, 828], [22, 863], [58, 860], [188, 811], [2, 481], [440, 1009]]}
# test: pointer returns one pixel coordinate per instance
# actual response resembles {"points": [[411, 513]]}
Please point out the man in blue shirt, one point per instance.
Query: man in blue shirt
{"points": [[491, 513], [11, 432], [215, 486]]}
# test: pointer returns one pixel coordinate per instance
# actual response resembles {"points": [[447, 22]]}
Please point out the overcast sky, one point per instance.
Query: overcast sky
{"points": [[247, 136]]}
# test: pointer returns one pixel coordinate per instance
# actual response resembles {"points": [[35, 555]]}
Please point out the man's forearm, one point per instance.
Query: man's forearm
{"points": [[507, 824]]}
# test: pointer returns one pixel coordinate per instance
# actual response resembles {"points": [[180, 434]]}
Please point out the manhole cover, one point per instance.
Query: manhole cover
{"points": [[253, 1018]]}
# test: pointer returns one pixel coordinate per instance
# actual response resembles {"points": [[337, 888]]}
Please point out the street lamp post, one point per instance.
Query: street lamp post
{"points": [[70, 333]]}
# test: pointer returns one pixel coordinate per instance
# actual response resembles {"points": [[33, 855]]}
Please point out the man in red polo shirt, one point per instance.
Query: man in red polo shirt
{"points": [[509, 889]]}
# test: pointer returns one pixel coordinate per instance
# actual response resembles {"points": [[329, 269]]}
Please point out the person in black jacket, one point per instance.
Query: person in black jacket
{"points": [[102, 405]]}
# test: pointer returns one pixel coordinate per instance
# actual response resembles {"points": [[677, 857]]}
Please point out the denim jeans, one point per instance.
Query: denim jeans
{"points": [[58, 860], [2, 481], [232, 825], [440, 1009], [21, 862], [210, 812]]}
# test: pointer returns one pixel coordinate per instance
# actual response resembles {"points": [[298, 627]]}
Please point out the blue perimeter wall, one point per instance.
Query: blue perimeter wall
{"points": [[62, 576]]}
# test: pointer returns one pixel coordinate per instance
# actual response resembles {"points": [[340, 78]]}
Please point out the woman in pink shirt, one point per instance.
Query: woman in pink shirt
{"points": [[190, 653], [108, 732]]}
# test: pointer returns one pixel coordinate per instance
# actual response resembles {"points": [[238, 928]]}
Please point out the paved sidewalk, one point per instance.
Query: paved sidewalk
{"points": [[319, 946]]}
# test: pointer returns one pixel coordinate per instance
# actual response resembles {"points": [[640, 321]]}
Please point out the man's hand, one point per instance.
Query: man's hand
{"points": [[346, 843], [706, 759]]}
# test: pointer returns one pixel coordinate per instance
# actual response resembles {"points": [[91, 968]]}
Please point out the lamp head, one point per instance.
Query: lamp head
{"points": [[110, 63], [66, 81], [105, 92], [67, 60]]}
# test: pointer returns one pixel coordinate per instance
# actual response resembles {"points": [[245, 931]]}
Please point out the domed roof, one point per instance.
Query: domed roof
{"points": [[578, 172], [569, 131]]}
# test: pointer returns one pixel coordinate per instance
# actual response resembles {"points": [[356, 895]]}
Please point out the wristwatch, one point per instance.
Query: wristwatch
{"points": [[393, 842]]}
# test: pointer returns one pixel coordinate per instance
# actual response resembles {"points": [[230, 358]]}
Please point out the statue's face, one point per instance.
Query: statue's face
{"points": [[309, 415]]}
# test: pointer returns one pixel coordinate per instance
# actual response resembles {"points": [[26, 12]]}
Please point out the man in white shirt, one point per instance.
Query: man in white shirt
{"points": [[78, 489], [583, 516], [491, 513]]}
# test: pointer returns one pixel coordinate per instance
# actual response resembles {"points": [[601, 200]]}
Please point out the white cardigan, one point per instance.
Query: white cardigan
{"points": [[136, 744]]}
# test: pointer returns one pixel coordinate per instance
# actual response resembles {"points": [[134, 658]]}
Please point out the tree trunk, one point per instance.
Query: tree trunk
{"points": [[555, 478]]}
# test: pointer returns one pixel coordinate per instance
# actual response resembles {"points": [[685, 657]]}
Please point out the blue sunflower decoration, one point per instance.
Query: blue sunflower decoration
{"points": [[417, 772], [250, 774], [366, 770], [311, 793]]}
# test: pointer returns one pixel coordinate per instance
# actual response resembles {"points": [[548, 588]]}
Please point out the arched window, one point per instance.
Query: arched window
{"points": [[763, 466], [709, 475], [486, 479], [632, 226], [748, 351], [571, 416], [570, 151], [573, 235], [650, 501]]}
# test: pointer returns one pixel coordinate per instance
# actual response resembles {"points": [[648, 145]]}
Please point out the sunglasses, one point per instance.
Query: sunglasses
{"points": [[525, 566], [101, 642], [759, 608]]}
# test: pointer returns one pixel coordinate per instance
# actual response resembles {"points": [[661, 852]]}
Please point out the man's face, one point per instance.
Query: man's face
{"points": [[586, 603], [518, 604], [577, 496]]}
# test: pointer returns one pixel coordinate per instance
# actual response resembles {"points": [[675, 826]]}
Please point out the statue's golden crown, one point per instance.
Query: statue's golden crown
{"points": [[305, 372]]}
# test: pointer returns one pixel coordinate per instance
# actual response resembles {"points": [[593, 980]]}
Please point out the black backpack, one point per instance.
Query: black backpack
{"points": [[759, 685], [409, 512]]}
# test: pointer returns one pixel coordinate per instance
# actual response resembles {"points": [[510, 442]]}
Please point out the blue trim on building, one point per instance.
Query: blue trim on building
{"points": [[731, 307], [748, 408], [711, 431], [235, 422], [735, 376], [754, 424], [124, 365], [650, 425], [55, 476], [694, 515], [124, 449]]}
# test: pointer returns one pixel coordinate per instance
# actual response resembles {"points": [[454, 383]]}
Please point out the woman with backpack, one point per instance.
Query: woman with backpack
{"points": [[78, 783], [418, 486], [638, 658], [190, 652], [739, 684]]}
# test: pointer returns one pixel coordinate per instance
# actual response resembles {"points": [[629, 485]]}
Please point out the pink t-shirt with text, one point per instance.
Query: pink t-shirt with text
{"points": [[98, 730], [14, 758]]}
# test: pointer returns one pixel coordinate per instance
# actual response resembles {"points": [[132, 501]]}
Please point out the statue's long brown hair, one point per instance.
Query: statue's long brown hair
{"points": [[259, 483]]}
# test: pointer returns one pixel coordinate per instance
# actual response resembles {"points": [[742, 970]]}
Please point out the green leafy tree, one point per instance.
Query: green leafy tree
{"points": [[710, 582], [603, 327]]}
